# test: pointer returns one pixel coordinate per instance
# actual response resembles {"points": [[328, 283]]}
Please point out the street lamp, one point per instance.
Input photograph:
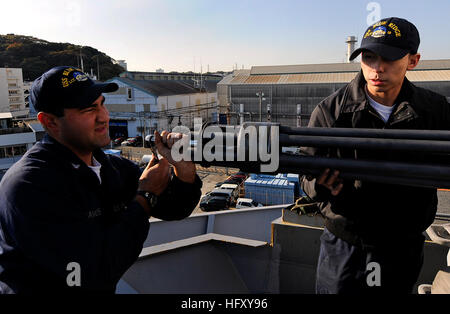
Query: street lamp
{"points": [[260, 95]]}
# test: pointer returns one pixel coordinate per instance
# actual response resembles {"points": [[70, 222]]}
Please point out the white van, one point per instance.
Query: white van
{"points": [[233, 187], [145, 160], [247, 203]]}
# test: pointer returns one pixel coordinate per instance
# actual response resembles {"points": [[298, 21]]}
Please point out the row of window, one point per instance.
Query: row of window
{"points": [[175, 78], [15, 99], [12, 151]]}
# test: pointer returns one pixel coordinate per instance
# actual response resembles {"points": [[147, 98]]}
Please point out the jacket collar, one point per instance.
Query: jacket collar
{"points": [[67, 155], [355, 98]]}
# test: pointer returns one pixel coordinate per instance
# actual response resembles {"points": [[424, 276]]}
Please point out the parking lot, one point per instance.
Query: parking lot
{"points": [[209, 180], [213, 175]]}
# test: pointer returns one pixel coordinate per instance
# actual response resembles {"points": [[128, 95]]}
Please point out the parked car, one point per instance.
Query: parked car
{"points": [[136, 141], [232, 187], [214, 202], [228, 181], [218, 184], [240, 175], [133, 141], [247, 203], [118, 140], [127, 142], [227, 193], [145, 160], [232, 181]]}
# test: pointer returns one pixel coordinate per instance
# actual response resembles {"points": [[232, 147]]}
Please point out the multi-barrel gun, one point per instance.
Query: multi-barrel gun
{"points": [[408, 157]]}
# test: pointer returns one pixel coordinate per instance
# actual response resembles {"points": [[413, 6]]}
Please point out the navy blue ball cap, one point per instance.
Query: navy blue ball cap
{"points": [[391, 38], [66, 87]]}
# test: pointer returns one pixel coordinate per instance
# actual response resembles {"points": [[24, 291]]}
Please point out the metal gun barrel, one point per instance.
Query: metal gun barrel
{"points": [[437, 135], [409, 145], [430, 167]]}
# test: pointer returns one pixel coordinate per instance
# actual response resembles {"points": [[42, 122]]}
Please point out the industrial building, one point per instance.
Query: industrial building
{"points": [[139, 107], [171, 76], [288, 94]]}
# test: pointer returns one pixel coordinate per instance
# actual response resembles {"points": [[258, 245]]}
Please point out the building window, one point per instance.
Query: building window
{"points": [[19, 150], [14, 100], [12, 151], [129, 93]]}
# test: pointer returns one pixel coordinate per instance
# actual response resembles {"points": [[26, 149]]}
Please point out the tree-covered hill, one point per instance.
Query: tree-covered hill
{"points": [[35, 56]]}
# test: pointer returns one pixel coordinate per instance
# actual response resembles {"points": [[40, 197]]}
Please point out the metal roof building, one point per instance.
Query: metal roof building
{"points": [[169, 88], [286, 88]]}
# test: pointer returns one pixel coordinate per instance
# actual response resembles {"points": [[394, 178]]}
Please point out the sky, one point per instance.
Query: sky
{"points": [[194, 35]]}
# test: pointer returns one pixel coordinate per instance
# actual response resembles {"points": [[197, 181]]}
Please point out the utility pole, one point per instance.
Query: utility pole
{"points": [[98, 70], [260, 95], [81, 58], [299, 115]]}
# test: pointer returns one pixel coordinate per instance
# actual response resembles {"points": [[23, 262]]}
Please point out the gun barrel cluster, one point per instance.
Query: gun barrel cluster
{"points": [[404, 157]]}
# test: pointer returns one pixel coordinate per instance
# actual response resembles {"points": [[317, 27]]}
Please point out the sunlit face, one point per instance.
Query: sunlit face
{"points": [[383, 75], [386, 77], [86, 129]]}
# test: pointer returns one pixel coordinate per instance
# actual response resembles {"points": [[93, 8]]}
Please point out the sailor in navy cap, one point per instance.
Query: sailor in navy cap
{"points": [[72, 218], [373, 242]]}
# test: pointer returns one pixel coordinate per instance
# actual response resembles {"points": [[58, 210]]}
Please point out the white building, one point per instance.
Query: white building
{"points": [[139, 107], [12, 92], [15, 139]]}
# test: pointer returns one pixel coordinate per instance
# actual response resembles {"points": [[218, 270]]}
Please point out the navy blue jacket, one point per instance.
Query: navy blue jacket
{"points": [[54, 211], [371, 212]]}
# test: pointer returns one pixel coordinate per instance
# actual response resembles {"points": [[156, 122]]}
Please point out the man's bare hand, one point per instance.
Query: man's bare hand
{"points": [[331, 181], [184, 170], [155, 177]]}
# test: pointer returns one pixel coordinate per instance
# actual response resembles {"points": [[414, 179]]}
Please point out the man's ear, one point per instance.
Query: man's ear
{"points": [[413, 61], [49, 121]]}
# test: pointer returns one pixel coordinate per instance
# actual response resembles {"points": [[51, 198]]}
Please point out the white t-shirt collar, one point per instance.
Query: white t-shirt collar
{"points": [[384, 111]]}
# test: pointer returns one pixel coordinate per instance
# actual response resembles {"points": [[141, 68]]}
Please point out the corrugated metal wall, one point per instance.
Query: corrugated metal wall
{"points": [[285, 97], [283, 100]]}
